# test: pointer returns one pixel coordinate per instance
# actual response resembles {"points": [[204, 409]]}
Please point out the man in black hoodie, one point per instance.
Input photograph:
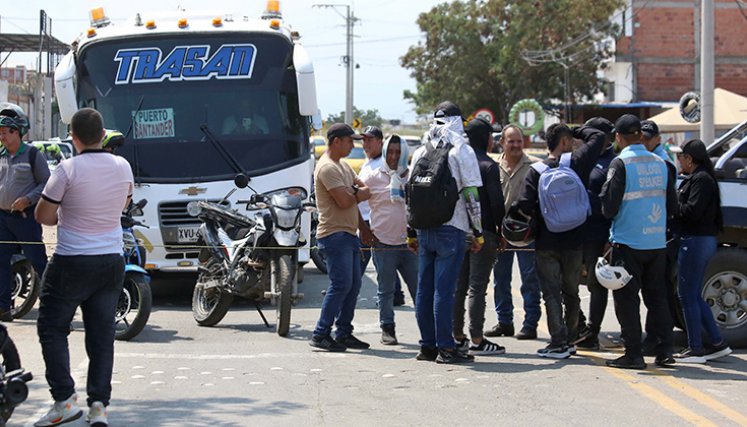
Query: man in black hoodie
{"points": [[559, 255], [476, 267]]}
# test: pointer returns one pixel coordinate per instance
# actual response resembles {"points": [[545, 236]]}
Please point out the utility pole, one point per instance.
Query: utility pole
{"points": [[707, 131], [348, 60]]}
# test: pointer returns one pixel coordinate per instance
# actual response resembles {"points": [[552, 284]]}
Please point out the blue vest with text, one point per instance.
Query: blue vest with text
{"points": [[641, 221]]}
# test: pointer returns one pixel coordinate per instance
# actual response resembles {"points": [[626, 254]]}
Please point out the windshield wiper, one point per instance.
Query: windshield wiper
{"points": [[135, 156], [227, 156]]}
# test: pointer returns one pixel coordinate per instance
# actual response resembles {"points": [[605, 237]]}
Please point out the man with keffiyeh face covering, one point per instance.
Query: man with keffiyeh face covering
{"points": [[388, 223], [441, 248]]}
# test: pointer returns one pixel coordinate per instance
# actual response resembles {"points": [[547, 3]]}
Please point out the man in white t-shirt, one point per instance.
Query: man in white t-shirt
{"points": [[373, 141], [84, 197]]}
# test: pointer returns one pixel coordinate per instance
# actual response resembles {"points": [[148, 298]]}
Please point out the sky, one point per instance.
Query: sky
{"points": [[385, 30]]}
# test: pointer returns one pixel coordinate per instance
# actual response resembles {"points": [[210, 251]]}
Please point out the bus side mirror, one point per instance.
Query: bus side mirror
{"points": [[305, 81], [64, 76]]}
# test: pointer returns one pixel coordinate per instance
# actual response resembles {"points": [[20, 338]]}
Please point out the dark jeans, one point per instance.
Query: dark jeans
{"points": [[559, 273], [93, 283], [599, 294], [647, 268], [695, 252], [440, 254], [472, 285], [15, 228], [530, 288], [342, 253], [390, 259]]}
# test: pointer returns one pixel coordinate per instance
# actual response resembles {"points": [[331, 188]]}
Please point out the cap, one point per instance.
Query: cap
{"points": [[339, 130], [373, 131], [447, 109], [628, 124], [602, 124], [478, 129], [695, 148], [649, 128]]}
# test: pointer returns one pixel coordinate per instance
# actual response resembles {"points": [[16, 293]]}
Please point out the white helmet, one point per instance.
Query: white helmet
{"points": [[611, 277]]}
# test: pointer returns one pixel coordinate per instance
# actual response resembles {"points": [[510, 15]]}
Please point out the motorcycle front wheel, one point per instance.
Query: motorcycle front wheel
{"points": [[209, 304], [10, 362], [133, 308], [283, 269], [25, 291]]}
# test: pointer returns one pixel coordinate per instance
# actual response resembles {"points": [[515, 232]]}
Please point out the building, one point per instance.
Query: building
{"points": [[657, 57]]}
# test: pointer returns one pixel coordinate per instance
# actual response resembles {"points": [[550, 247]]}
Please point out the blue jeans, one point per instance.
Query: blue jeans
{"points": [[695, 252], [440, 254], [93, 283], [343, 255], [389, 260], [530, 288], [15, 228]]}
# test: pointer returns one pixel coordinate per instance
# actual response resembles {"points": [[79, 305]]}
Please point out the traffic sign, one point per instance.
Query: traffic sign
{"points": [[485, 114], [357, 123]]}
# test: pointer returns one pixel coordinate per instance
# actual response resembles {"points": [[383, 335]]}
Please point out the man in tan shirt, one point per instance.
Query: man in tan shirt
{"points": [[514, 165], [338, 192]]}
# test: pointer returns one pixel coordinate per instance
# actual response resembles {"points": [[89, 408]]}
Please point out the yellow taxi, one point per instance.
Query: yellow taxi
{"points": [[319, 145], [356, 158]]}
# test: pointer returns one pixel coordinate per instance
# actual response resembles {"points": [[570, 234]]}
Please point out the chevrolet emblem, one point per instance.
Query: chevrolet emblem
{"points": [[192, 191]]}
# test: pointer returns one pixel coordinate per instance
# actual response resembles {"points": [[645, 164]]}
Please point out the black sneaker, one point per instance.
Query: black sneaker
{"points": [[486, 348], [554, 352], [526, 334], [352, 342], [713, 352], [399, 300], [690, 355], [453, 355], [428, 354], [501, 330], [388, 336], [665, 360], [583, 333], [590, 343], [462, 344], [326, 343], [627, 362]]}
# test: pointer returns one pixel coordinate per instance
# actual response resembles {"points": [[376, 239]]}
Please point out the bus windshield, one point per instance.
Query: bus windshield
{"points": [[162, 89]]}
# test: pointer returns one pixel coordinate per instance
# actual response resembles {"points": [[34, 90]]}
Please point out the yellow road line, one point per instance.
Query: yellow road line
{"points": [[701, 397]]}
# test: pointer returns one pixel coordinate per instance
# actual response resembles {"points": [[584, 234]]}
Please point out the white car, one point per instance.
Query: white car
{"points": [[64, 150]]}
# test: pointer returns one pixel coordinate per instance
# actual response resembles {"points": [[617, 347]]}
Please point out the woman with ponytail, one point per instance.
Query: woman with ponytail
{"points": [[701, 220]]}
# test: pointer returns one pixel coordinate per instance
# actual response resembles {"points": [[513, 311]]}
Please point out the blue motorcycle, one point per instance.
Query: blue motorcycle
{"points": [[133, 308]]}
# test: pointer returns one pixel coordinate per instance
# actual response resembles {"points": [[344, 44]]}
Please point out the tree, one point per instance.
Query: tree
{"points": [[472, 52], [368, 117]]}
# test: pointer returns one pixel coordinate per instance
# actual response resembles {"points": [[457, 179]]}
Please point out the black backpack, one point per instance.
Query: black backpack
{"points": [[431, 191]]}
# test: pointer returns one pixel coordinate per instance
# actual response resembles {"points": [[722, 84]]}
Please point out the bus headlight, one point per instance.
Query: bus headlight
{"points": [[193, 208]]}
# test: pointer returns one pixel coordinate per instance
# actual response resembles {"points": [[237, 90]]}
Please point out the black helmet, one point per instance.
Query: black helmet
{"points": [[518, 232], [12, 116]]}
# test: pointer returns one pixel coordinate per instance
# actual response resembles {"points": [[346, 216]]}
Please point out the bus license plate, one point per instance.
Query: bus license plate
{"points": [[187, 234]]}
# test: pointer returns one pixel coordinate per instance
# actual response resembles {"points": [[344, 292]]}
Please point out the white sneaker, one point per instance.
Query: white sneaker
{"points": [[61, 412], [97, 415]]}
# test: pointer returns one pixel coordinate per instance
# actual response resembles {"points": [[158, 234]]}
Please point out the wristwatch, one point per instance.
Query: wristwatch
{"points": [[355, 189]]}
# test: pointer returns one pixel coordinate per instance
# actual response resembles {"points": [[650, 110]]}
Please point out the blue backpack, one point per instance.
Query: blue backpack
{"points": [[563, 199]]}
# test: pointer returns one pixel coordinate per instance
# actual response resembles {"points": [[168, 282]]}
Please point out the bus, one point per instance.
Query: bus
{"points": [[200, 98]]}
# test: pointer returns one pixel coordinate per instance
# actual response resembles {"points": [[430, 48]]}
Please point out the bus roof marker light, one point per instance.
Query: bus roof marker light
{"points": [[273, 10], [91, 32], [217, 22], [98, 17], [275, 24], [182, 23], [150, 24]]}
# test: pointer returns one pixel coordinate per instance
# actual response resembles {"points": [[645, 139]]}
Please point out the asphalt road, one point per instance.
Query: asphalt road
{"points": [[241, 373]]}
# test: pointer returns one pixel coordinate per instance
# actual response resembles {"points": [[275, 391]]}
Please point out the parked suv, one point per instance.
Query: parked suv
{"points": [[725, 287]]}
